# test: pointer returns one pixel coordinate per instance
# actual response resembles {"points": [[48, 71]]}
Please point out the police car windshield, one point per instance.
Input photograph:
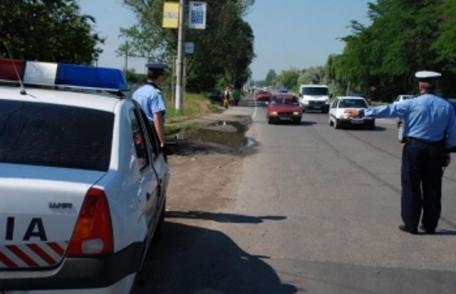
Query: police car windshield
{"points": [[55, 135], [315, 91]]}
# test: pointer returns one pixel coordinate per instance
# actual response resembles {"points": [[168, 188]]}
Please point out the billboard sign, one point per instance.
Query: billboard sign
{"points": [[197, 17], [171, 15]]}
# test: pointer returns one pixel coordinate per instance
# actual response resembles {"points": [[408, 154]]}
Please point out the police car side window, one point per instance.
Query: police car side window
{"points": [[139, 140], [151, 134]]}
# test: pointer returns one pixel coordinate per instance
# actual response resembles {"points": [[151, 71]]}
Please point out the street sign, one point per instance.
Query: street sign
{"points": [[171, 15], [197, 17], [189, 47]]}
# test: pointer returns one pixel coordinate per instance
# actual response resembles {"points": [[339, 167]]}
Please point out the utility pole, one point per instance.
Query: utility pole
{"points": [[180, 60], [127, 51]]}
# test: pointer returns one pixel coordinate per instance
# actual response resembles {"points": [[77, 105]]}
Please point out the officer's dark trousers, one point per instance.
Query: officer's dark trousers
{"points": [[421, 184]]}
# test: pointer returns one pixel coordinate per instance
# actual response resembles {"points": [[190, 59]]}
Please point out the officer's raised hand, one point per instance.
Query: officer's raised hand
{"points": [[352, 112]]}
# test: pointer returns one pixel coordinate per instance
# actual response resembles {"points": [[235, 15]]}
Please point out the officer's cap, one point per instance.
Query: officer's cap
{"points": [[427, 76], [156, 67]]}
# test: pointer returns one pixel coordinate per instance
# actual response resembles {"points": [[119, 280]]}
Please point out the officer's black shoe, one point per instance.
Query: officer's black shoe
{"points": [[404, 228], [427, 231]]}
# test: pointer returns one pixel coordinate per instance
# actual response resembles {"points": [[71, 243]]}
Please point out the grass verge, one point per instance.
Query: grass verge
{"points": [[195, 105]]}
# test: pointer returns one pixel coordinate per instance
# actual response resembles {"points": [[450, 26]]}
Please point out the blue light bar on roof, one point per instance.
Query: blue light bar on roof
{"points": [[80, 76], [66, 75]]}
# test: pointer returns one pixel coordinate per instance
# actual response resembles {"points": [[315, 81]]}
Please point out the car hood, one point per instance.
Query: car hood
{"points": [[284, 107], [340, 113]]}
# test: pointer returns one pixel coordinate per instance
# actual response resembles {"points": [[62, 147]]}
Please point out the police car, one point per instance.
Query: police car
{"points": [[82, 180]]}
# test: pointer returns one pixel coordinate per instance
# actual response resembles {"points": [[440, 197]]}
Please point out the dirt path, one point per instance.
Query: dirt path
{"points": [[205, 181], [205, 176]]}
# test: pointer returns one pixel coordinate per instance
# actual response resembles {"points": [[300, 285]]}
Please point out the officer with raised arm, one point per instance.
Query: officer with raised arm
{"points": [[430, 132], [151, 99]]}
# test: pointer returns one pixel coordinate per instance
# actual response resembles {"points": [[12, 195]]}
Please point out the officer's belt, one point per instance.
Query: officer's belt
{"points": [[432, 143]]}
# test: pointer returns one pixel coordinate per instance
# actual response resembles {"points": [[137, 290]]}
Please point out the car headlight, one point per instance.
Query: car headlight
{"points": [[274, 113], [296, 113]]}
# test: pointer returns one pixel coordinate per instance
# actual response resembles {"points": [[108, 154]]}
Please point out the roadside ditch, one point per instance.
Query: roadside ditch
{"points": [[219, 133]]}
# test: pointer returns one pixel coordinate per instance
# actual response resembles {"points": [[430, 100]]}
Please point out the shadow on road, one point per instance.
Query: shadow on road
{"points": [[363, 129], [444, 233], [287, 123], [189, 259], [302, 124], [222, 217]]}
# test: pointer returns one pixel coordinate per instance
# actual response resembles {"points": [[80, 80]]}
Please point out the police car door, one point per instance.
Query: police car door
{"points": [[149, 186], [159, 162]]}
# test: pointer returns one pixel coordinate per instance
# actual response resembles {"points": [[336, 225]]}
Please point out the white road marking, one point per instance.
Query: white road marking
{"points": [[255, 111]]}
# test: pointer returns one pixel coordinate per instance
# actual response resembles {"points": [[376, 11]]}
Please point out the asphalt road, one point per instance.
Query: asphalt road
{"points": [[316, 211]]}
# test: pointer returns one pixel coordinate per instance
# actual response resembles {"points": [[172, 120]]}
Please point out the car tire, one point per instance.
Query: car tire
{"points": [[330, 122], [372, 126], [161, 220], [297, 121], [270, 121], [336, 124]]}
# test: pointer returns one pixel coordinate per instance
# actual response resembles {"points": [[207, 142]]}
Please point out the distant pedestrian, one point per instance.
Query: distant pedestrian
{"points": [[151, 99], [227, 96], [430, 132]]}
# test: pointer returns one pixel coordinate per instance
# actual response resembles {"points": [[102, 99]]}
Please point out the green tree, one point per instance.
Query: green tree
{"points": [[313, 75], [405, 36], [223, 51], [270, 77], [289, 79], [48, 30]]}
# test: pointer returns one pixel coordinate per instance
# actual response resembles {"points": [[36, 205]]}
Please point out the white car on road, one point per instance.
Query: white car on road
{"points": [[400, 123], [314, 97], [82, 181], [338, 119]]}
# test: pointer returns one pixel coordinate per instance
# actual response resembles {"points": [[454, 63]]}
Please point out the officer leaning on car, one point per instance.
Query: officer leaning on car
{"points": [[430, 133], [151, 99]]}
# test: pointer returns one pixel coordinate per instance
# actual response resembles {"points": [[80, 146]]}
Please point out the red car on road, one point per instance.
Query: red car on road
{"points": [[284, 107], [263, 95]]}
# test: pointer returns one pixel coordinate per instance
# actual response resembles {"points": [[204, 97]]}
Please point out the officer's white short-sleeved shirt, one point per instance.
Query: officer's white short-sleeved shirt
{"points": [[151, 100]]}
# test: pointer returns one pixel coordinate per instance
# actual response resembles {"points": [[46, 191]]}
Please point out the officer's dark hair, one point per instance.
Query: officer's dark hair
{"points": [[429, 85], [154, 74]]}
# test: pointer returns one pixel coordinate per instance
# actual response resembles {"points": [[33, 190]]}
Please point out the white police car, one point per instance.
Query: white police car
{"points": [[82, 180]]}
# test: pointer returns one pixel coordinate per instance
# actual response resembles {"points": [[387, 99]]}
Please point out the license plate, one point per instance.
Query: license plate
{"points": [[357, 121], [285, 118]]}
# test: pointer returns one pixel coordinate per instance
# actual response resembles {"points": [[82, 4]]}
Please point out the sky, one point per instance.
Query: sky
{"points": [[288, 33], [110, 16]]}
